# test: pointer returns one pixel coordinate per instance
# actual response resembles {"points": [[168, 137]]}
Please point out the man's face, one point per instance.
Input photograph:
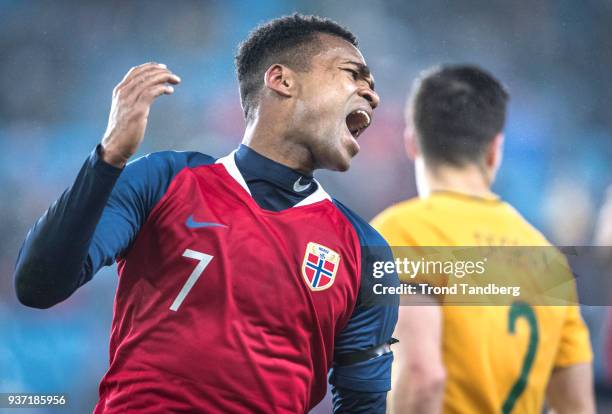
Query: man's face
{"points": [[334, 104]]}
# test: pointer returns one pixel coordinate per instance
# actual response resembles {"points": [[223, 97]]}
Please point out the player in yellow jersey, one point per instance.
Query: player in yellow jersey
{"points": [[467, 359]]}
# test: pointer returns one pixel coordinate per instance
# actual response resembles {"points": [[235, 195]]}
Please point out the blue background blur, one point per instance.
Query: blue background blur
{"points": [[60, 61]]}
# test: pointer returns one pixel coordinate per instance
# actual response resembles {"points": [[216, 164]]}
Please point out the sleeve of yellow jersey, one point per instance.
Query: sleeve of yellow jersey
{"points": [[575, 347]]}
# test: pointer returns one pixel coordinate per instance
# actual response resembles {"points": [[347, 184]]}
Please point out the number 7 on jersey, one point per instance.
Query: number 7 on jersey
{"points": [[203, 259]]}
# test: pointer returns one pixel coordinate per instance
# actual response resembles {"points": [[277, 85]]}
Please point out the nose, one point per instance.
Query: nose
{"points": [[370, 96]]}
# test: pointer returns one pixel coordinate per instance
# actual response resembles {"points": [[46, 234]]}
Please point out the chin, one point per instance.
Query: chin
{"points": [[335, 157], [343, 167], [341, 163], [335, 164]]}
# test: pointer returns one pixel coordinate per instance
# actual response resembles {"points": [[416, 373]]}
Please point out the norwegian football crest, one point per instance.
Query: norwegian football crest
{"points": [[319, 266]]}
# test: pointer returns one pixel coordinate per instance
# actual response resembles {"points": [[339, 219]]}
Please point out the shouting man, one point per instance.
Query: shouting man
{"points": [[240, 278]]}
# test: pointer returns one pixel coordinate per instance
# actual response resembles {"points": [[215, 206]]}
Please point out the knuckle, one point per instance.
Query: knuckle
{"points": [[145, 97], [137, 82], [137, 113], [150, 93]]}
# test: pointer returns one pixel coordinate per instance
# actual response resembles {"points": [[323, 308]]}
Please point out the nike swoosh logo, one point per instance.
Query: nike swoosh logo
{"points": [[298, 188], [192, 224]]}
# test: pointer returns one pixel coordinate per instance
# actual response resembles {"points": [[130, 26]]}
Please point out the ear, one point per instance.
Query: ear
{"points": [[495, 152], [280, 79], [411, 145]]}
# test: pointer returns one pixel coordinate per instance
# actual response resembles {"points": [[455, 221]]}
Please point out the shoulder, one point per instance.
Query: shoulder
{"points": [[368, 236], [529, 233], [397, 213], [172, 160], [148, 177], [374, 248], [396, 222], [163, 165]]}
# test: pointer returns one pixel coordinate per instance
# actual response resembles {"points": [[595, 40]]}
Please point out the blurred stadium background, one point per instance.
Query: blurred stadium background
{"points": [[61, 60]]}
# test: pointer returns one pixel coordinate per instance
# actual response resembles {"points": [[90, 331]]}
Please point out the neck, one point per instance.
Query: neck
{"points": [[470, 180], [270, 139]]}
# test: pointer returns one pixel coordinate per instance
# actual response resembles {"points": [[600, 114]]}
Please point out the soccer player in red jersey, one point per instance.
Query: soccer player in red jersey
{"points": [[242, 282]]}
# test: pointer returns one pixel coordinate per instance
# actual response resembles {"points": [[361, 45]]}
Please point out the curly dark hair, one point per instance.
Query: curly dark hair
{"points": [[289, 40]]}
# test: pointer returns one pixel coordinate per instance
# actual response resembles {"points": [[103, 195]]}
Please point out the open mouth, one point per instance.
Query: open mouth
{"points": [[357, 122]]}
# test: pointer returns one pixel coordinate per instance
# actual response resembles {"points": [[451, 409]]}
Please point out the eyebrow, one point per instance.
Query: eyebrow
{"points": [[363, 71]]}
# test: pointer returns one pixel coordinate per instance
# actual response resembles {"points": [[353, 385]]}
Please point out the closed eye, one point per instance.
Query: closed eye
{"points": [[353, 73], [361, 71]]}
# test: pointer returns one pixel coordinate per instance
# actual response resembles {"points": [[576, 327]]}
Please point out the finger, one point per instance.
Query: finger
{"points": [[153, 92], [135, 86], [137, 71], [160, 77], [145, 77], [143, 74]]}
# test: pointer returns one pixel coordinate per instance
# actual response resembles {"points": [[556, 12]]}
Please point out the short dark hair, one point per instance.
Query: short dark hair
{"points": [[289, 40], [457, 110]]}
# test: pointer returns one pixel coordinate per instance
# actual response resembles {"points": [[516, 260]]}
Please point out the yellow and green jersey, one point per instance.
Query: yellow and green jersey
{"points": [[498, 359]]}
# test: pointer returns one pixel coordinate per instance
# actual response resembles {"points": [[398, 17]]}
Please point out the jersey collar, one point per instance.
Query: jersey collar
{"points": [[492, 198], [246, 162]]}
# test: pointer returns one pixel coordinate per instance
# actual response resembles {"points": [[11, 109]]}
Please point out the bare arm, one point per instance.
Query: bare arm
{"points": [[570, 390], [418, 374]]}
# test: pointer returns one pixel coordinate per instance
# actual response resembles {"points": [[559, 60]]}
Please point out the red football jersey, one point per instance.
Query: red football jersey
{"points": [[231, 307]]}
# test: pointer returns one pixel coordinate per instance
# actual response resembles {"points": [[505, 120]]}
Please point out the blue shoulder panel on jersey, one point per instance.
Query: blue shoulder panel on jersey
{"points": [[95, 220], [372, 322], [139, 188]]}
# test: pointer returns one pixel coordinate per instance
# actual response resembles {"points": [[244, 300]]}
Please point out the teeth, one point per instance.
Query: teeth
{"points": [[357, 121], [367, 116]]}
